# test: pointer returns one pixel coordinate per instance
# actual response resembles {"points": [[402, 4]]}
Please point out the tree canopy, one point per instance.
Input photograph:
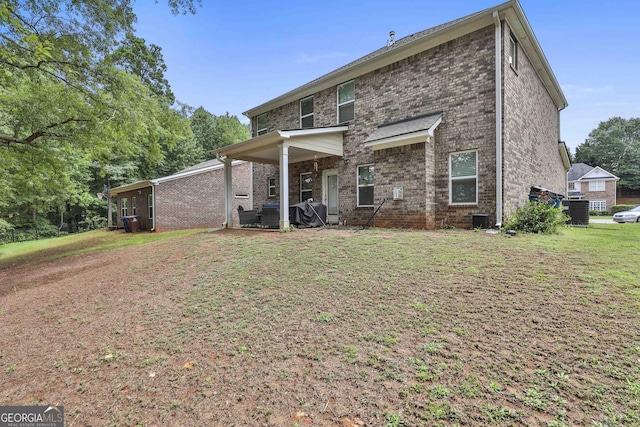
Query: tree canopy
{"points": [[614, 146], [82, 99]]}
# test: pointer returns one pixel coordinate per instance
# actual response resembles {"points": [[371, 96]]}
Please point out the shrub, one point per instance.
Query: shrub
{"points": [[537, 217], [620, 208]]}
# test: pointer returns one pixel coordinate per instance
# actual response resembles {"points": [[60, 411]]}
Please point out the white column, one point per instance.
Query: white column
{"points": [[228, 194], [284, 186]]}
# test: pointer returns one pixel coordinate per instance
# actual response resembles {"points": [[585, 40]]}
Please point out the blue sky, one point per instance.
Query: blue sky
{"points": [[232, 56]]}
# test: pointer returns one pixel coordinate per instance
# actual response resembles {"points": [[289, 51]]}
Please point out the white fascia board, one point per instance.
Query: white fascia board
{"points": [[193, 172], [130, 187]]}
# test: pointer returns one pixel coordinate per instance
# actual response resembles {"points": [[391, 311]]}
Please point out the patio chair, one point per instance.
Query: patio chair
{"points": [[248, 218], [270, 217]]}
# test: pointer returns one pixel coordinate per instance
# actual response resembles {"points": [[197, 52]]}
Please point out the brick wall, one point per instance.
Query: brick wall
{"points": [[458, 79], [608, 195], [195, 201], [531, 126]]}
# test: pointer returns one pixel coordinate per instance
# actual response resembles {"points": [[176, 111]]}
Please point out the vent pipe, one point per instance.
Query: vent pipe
{"points": [[391, 40]]}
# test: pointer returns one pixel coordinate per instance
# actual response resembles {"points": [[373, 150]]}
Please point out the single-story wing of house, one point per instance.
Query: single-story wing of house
{"points": [[191, 198]]}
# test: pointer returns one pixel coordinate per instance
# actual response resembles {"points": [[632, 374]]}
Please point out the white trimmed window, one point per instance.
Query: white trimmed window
{"points": [[346, 101], [261, 124], [572, 186], [306, 186], [596, 185], [272, 187], [306, 112], [512, 55], [463, 178], [150, 205], [598, 205], [365, 185], [124, 207], [134, 206]]}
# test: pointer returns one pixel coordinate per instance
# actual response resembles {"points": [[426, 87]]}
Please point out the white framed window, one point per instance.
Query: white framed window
{"points": [[346, 101], [596, 185], [261, 124], [271, 183], [306, 112], [150, 205], [463, 178], [598, 205], [572, 186], [365, 185], [124, 207], [306, 186], [512, 54], [134, 206]]}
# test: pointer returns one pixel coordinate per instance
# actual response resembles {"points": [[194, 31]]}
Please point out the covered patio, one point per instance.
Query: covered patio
{"points": [[280, 147]]}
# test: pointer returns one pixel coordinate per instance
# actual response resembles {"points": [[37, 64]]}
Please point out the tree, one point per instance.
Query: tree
{"points": [[614, 146], [69, 97], [212, 132]]}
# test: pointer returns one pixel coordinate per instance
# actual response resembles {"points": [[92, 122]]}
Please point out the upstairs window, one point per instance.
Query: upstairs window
{"points": [[512, 55], [306, 186], [596, 185], [306, 113], [463, 178], [346, 101], [365, 185], [261, 124]]}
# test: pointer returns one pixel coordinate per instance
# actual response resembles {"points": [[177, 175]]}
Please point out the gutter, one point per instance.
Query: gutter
{"points": [[498, 37]]}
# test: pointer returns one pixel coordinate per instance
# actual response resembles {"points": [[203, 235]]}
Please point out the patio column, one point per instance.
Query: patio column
{"points": [[228, 194], [284, 186]]}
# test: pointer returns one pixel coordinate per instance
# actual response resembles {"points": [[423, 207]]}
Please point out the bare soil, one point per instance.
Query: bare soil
{"points": [[323, 328]]}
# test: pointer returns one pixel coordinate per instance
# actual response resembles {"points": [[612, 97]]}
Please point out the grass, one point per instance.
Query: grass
{"points": [[394, 327]]}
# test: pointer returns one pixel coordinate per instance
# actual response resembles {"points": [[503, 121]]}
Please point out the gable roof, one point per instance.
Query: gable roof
{"points": [[584, 172], [427, 39]]}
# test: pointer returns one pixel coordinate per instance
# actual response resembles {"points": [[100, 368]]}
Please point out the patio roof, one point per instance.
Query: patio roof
{"points": [[304, 144]]}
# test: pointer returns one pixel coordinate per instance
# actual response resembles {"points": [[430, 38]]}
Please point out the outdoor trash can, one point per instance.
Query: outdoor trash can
{"points": [[480, 220], [125, 223]]}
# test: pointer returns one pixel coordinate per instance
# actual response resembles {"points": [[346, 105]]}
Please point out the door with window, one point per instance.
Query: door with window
{"points": [[330, 194]]}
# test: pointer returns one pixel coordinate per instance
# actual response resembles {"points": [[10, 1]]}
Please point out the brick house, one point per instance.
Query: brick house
{"points": [[456, 120], [191, 198], [594, 184]]}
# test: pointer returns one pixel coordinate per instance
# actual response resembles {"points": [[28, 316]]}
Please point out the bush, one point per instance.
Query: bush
{"points": [[620, 208], [537, 217]]}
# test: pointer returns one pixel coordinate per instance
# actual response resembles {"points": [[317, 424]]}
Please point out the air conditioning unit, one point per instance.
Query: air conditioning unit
{"points": [[397, 193]]}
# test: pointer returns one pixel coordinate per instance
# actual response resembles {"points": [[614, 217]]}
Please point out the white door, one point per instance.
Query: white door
{"points": [[330, 194]]}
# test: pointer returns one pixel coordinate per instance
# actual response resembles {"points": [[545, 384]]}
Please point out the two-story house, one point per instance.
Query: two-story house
{"points": [[594, 184], [456, 120]]}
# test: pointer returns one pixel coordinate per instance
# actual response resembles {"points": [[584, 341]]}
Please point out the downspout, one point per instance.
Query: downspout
{"points": [[155, 211], [498, 38]]}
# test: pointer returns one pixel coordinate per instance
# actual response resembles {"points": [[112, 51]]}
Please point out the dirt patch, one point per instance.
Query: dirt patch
{"points": [[326, 328]]}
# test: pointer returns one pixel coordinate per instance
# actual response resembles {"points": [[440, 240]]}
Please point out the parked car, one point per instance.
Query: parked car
{"points": [[632, 215]]}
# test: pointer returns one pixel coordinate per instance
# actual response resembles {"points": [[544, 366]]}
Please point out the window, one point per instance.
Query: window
{"points": [[306, 186], [596, 185], [133, 206], [512, 55], [365, 185], [124, 207], [272, 187], [346, 101], [306, 112], [463, 178], [598, 205], [150, 205], [261, 124], [572, 186]]}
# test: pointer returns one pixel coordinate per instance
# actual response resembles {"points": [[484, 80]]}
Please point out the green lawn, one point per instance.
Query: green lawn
{"points": [[331, 327]]}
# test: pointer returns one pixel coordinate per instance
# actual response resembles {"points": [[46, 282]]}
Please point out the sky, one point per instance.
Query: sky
{"points": [[232, 56]]}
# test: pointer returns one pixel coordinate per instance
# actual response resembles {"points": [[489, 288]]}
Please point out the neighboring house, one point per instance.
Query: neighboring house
{"points": [[456, 120], [594, 184], [192, 198]]}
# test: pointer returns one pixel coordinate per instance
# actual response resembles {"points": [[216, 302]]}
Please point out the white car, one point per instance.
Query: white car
{"points": [[628, 216]]}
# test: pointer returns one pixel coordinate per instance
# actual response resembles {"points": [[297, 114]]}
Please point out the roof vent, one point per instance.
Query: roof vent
{"points": [[391, 40]]}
